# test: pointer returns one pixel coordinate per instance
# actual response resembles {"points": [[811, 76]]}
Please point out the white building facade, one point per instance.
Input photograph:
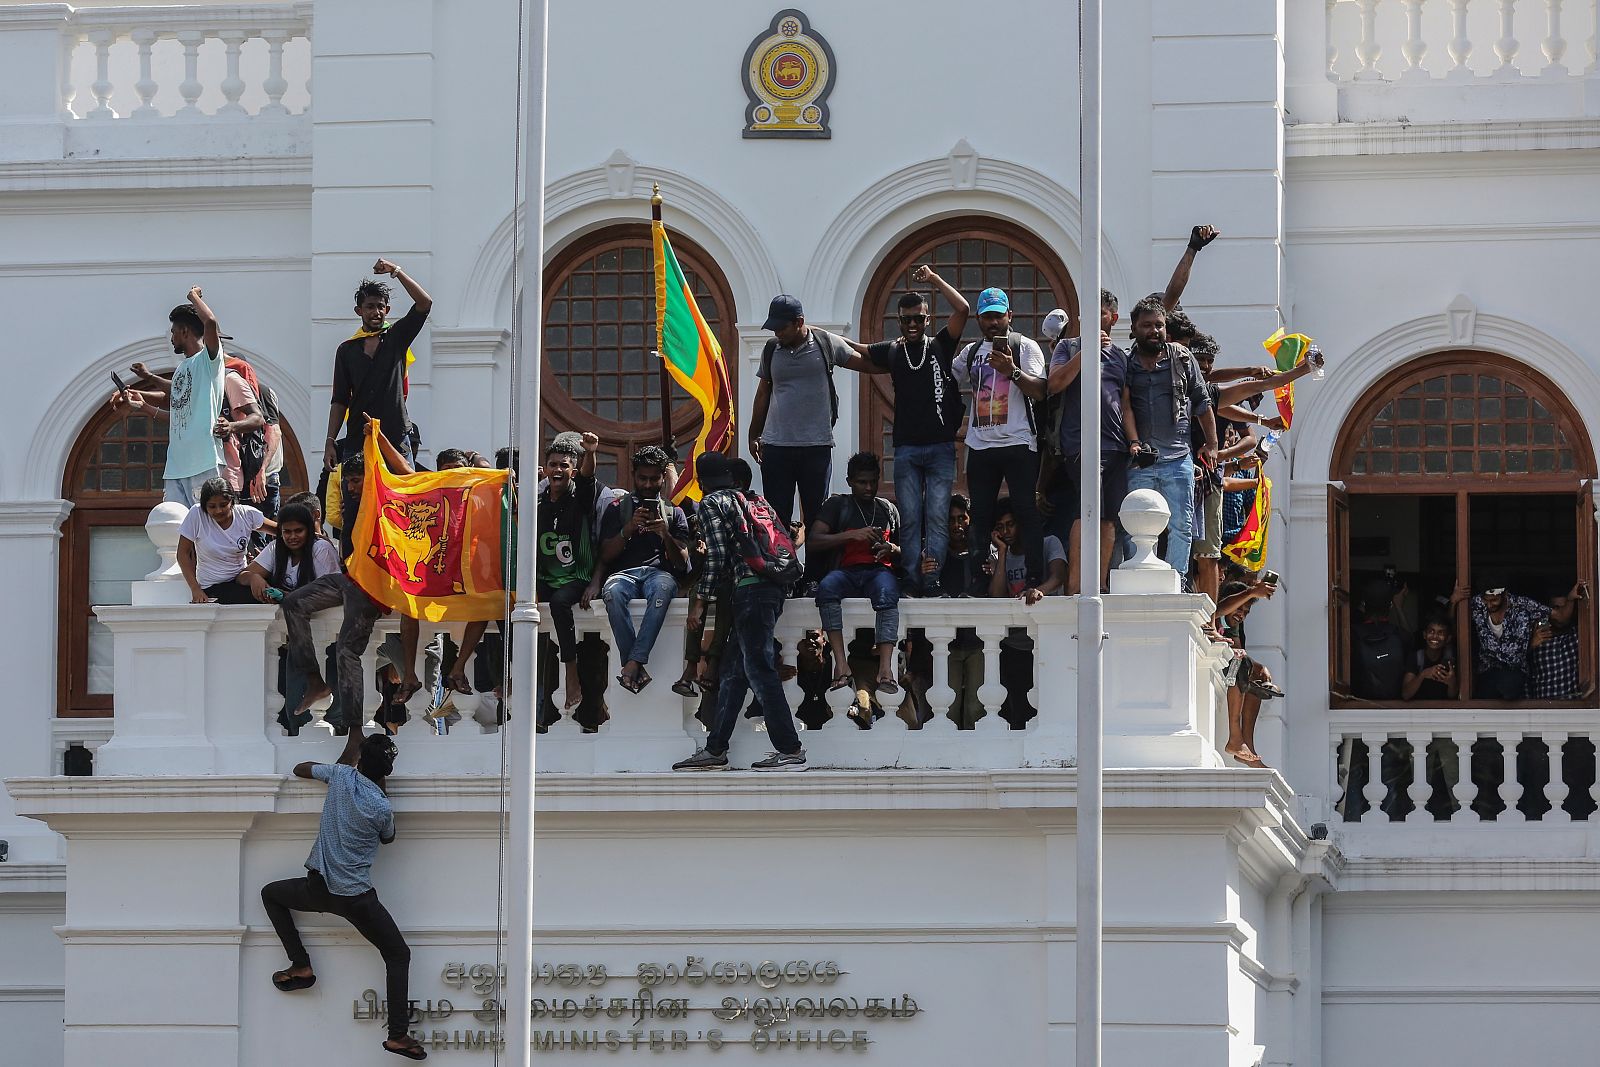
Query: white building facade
{"points": [[1410, 182]]}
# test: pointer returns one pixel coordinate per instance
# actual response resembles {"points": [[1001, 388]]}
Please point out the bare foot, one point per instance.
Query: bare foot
{"points": [[574, 692], [319, 691]]}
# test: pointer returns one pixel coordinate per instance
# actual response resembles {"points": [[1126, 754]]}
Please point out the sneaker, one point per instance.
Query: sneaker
{"points": [[703, 760], [931, 588], [781, 761]]}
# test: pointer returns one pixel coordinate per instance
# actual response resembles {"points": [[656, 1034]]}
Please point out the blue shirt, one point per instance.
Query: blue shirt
{"points": [[356, 818], [1113, 375]]}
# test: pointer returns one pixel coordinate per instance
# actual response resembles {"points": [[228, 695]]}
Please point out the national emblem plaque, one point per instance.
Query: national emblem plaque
{"points": [[788, 73]]}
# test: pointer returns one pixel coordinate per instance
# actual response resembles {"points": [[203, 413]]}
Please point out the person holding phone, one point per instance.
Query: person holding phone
{"points": [[644, 545], [1553, 650], [1503, 629], [1433, 675], [858, 530]]}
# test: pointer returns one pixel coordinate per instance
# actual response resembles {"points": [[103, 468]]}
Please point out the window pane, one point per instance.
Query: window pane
{"points": [[118, 557]]}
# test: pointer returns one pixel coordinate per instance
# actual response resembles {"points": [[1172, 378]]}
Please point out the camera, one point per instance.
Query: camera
{"points": [[1143, 455]]}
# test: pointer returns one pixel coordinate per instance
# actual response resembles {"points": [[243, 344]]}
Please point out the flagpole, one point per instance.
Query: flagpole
{"points": [[661, 359], [1091, 609], [523, 707]]}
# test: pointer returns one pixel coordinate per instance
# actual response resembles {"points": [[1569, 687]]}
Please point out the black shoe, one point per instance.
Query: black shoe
{"points": [[780, 761], [930, 588], [703, 760]]}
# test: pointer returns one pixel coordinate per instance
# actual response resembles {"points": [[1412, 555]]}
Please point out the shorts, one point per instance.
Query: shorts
{"points": [[1209, 544], [1113, 484]]}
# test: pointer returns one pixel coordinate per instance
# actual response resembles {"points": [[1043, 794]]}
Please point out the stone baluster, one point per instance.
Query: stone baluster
{"points": [[1415, 47], [991, 694], [102, 40], [1507, 46], [1420, 790], [371, 700], [1337, 787], [69, 90], [1594, 38], [1369, 51], [1511, 790], [191, 88], [146, 85], [1460, 44], [272, 700], [1373, 792], [1333, 45], [941, 694], [1594, 787], [1555, 45], [1556, 788], [1464, 788], [232, 84], [275, 84]]}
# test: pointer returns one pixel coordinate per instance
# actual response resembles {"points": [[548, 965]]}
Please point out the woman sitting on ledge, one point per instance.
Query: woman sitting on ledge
{"points": [[212, 543]]}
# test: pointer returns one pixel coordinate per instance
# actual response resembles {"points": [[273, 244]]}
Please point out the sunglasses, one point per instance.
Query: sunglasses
{"points": [[911, 320]]}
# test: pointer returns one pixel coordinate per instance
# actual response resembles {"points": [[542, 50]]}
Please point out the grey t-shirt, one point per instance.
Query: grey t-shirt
{"points": [[800, 413]]}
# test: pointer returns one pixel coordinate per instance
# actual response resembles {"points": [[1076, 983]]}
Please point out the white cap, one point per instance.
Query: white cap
{"points": [[1053, 324]]}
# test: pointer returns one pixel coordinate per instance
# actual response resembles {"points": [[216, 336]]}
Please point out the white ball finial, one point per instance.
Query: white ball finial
{"points": [[162, 529], [1144, 515]]}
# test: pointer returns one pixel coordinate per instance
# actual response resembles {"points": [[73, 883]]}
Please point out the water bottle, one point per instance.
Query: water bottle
{"points": [[1270, 440], [1315, 355]]}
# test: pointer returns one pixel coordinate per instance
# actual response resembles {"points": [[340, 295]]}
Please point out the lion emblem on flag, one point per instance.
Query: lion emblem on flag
{"points": [[408, 537]]}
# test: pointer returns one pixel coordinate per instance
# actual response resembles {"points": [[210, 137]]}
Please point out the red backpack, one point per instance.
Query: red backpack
{"points": [[763, 541]]}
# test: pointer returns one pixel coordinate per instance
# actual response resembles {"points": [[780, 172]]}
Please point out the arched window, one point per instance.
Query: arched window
{"points": [[972, 253], [113, 478], [599, 336], [1458, 467]]}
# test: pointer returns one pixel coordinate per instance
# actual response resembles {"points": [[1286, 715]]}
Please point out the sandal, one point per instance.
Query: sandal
{"points": [[404, 692], [288, 983], [408, 1046], [888, 686], [685, 687], [842, 681], [459, 684], [641, 679]]}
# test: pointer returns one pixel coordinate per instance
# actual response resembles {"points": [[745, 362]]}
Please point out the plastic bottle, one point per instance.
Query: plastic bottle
{"points": [[1270, 440], [1317, 368]]}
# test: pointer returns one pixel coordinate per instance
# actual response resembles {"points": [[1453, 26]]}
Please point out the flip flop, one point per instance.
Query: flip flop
{"points": [[412, 1051], [641, 680], [685, 687], [288, 983], [888, 686], [403, 694], [630, 684], [842, 681], [458, 683]]}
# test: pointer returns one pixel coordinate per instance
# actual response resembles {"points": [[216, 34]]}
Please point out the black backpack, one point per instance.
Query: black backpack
{"points": [[1378, 661], [1014, 339]]}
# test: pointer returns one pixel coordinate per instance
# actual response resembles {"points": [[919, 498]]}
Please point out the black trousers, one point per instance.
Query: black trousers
{"points": [[1018, 467], [365, 912]]}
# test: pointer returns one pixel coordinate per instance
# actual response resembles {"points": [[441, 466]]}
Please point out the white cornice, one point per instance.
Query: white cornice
{"points": [[1453, 232], [33, 518], [77, 175], [467, 346], [98, 267], [1406, 138], [30, 878]]}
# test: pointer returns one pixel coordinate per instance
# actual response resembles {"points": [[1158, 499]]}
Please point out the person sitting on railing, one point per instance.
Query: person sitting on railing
{"points": [[1432, 673], [1249, 682], [212, 542], [356, 818], [293, 558], [566, 545], [1009, 578], [642, 555], [1553, 651], [859, 528], [1503, 625]]}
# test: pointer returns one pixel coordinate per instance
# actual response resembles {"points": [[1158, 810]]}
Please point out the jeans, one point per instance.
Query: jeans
{"points": [[806, 468], [359, 615], [748, 662], [1018, 467], [923, 478], [876, 583], [365, 912], [656, 588], [1500, 683], [1174, 480]]}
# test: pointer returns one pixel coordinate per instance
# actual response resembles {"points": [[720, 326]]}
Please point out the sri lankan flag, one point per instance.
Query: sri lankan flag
{"points": [[1289, 351], [1249, 546], [693, 358], [431, 545]]}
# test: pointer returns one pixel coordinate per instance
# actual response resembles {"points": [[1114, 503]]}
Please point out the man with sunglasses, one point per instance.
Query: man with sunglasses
{"points": [[927, 416]]}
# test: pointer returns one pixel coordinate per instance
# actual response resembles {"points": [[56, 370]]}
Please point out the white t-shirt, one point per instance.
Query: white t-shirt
{"points": [[1016, 565], [219, 553], [997, 413], [323, 555]]}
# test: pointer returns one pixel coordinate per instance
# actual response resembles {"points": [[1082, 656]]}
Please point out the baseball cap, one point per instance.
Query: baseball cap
{"points": [[783, 310], [713, 471], [993, 300], [1053, 324]]}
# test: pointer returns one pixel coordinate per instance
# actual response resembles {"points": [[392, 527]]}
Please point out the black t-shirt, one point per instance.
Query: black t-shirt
{"points": [[641, 550], [565, 549], [375, 385], [927, 400], [843, 513]]}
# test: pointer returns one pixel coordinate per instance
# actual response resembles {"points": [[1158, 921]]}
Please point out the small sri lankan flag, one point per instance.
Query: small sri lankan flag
{"points": [[1249, 546], [693, 358], [1288, 351], [431, 545]]}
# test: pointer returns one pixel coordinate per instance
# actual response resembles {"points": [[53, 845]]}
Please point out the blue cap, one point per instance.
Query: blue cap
{"points": [[993, 300], [783, 310]]}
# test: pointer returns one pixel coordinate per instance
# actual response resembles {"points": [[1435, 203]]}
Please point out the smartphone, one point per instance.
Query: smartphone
{"points": [[122, 389], [1583, 590], [661, 509]]}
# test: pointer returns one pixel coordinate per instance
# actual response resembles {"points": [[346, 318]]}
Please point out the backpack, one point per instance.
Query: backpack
{"points": [[1014, 339], [1378, 664], [762, 540], [827, 365]]}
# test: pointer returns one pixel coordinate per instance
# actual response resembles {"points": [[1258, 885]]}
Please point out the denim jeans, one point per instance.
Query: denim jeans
{"points": [[656, 588], [923, 478], [807, 469], [748, 662], [1174, 480], [876, 583]]}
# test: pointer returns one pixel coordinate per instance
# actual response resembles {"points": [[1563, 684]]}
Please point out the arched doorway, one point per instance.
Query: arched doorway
{"points": [[113, 478], [1459, 467], [972, 252], [600, 331]]}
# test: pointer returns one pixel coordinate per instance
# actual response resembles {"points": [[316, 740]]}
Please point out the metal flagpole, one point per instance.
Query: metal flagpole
{"points": [[518, 987], [1091, 610]]}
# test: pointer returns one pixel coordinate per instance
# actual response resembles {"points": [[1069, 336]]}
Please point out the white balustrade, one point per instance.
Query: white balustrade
{"points": [[1555, 45], [1420, 789], [1460, 42], [172, 50], [1507, 46]]}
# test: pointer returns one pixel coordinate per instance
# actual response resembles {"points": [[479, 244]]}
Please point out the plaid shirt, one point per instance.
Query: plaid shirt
{"points": [[718, 517], [1510, 648], [1554, 667]]}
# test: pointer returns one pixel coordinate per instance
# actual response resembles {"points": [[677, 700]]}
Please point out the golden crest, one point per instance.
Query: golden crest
{"points": [[788, 73]]}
